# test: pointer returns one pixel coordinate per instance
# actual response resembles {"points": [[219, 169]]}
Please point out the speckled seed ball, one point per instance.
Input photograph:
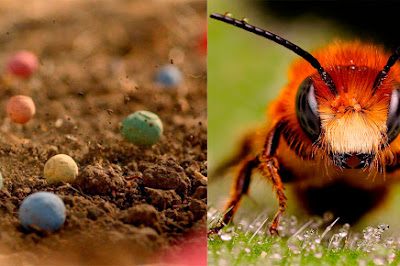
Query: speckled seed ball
{"points": [[23, 64], [169, 76], [21, 109], [142, 128], [44, 210], [60, 168]]}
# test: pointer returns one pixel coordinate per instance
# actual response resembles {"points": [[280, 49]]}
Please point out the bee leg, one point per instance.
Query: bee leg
{"points": [[240, 187], [269, 167]]}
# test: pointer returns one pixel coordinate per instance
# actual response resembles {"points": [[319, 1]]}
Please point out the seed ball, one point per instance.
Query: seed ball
{"points": [[142, 128], [44, 210], [60, 168], [169, 76], [23, 64], [21, 109], [1, 181]]}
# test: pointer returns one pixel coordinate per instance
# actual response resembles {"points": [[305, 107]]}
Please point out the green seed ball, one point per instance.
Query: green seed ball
{"points": [[142, 128], [60, 168]]}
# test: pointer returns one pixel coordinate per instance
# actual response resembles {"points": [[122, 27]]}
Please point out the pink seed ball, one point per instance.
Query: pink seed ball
{"points": [[20, 109], [23, 64]]}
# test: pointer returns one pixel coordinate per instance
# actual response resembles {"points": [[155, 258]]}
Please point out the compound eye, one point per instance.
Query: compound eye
{"points": [[307, 109], [393, 120]]}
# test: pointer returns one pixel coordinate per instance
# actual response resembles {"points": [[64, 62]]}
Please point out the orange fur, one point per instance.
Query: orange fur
{"points": [[352, 121]]}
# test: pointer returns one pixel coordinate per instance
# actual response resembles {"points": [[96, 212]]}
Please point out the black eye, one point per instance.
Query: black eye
{"points": [[307, 110], [393, 121]]}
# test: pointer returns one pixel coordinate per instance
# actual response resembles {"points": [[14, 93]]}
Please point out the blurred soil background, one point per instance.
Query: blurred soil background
{"points": [[97, 63]]}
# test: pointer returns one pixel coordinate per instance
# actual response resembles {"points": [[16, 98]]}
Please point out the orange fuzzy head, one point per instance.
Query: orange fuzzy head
{"points": [[354, 125]]}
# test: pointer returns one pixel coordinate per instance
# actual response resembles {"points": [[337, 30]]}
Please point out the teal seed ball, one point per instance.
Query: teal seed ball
{"points": [[142, 128]]}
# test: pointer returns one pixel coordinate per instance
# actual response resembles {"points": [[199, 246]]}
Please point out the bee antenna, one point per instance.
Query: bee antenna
{"points": [[273, 37], [382, 75]]}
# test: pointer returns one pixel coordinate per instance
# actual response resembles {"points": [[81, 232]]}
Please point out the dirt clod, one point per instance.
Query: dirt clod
{"points": [[166, 175], [162, 198], [142, 214], [94, 180], [197, 208]]}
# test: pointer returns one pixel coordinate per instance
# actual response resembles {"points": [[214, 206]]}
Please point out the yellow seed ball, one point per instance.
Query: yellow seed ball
{"points": [[60, 168]]}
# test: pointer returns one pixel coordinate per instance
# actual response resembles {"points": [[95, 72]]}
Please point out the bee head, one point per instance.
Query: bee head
{"points": [[355, 124]]}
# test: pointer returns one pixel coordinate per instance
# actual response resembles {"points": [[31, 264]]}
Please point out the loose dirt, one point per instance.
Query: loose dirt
{"points": [[97, 63]]}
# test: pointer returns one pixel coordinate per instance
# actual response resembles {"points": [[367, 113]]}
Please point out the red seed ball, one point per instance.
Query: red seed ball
{"points": [[20, 109], [23, 64]]}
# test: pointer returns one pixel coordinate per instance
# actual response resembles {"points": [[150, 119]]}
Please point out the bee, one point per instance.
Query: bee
{"points": [[333, 131]]}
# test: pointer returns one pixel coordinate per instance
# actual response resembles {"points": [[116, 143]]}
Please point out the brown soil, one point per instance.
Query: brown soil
{"points": [[98, 59]]}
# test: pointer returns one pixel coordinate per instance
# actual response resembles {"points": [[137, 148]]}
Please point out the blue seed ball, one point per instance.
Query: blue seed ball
{"points": [[44, 210], [169, 76], [142, 128]]}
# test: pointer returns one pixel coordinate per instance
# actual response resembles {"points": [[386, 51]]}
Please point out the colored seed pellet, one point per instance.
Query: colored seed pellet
{"points": [[60, 168], [169, 76], [23, 64], [142, 128], [43, 210], [21, 109]]}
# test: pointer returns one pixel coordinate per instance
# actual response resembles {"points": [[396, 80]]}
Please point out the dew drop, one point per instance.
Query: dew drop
{"points": [[379, 261], [226, 237], [276, 256], [228, 14], [263, 254]]}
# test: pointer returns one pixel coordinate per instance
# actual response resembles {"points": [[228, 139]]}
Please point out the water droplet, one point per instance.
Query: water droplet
{"points": [[391, 256], [293, 221], [226, 237], [222, 262], [228, 14], [379, 261], [276, 256], [389, 242], [293, 244], [263, 254]]}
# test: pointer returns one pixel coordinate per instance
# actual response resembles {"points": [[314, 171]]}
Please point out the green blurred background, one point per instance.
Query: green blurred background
{"points": [[246, 72]]}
